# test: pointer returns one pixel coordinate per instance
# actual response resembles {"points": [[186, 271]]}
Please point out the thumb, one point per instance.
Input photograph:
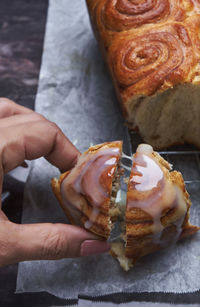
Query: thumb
{"points": [[51, 241]]}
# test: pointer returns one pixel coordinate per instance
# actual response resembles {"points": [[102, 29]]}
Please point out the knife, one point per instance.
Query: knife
{"points": [[126, 163]]}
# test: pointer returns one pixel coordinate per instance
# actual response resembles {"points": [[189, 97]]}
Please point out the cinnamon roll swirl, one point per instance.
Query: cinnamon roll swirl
{"points": [[112, 16], [85, 193], [152, 49], [143, 62], [157, 208], [157, 205], [192, 6]]}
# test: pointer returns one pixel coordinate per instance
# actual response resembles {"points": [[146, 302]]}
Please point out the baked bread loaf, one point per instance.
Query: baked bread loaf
{"points": [[152, 50], [157, 203]]}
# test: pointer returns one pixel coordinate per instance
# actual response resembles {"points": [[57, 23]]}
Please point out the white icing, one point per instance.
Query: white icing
{"points": [[85, 179], [149, 173], [181, 211], [92, 219], [145, 149], [110, 161], [153, 193]]}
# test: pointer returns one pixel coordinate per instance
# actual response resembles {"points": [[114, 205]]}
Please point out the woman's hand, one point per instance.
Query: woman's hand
{"points": [[27, 135]]}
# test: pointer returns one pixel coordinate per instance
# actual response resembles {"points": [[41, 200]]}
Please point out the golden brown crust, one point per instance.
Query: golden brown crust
{"points": [[55, 185], [146, 61], [141, 239], [110, 17], [137, 49], [150, 47], [79, 204]]}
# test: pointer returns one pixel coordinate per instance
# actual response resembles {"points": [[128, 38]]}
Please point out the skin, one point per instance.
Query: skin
{"points": [[27, 135]]}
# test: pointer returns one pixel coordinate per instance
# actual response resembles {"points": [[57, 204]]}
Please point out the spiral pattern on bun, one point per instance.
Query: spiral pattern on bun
{"points": [[121, 15], [156, 205], [85, 191], [152, 49], [146, 61], [195, 5]]}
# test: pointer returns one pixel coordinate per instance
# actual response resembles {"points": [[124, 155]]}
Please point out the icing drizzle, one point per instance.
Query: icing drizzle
{"points": [[92, 177], [152, 192]]}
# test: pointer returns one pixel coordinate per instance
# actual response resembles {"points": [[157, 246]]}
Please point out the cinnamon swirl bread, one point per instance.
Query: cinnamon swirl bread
{"points": [[157, 203], [152, 49]]}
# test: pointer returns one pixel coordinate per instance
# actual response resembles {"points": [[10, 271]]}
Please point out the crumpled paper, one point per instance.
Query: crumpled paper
{"points": [[76, 92]]}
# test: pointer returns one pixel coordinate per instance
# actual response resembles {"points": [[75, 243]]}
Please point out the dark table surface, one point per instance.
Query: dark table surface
{"points": [[22, 28]]}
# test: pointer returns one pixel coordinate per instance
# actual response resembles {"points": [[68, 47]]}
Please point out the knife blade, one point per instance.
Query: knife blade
{"points": [[126, 163]]}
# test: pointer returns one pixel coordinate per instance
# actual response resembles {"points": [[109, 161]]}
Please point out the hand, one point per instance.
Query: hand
{"points": [[25, 134]]}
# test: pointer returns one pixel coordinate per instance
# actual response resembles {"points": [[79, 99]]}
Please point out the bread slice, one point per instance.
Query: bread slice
{"points": [[87, 192], [157, 210]]}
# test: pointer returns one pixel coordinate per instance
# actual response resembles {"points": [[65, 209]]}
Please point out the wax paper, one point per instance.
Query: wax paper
{"points": [[76, 92]]}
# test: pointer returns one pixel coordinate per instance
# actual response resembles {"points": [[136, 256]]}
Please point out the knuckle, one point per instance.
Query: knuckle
{"points": [[51, 126], [37, 116], [54, 126], [5, 105], [54, 129], [55, 246]]}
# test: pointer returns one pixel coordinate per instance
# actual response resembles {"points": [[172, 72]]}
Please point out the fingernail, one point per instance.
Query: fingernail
{"points": [[93, 247]]}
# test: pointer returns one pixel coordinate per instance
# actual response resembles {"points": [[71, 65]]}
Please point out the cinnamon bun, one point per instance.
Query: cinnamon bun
{"points": [[157, 203], [87, 192]]}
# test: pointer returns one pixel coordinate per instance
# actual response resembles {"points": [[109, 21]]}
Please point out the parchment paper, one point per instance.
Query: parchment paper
{"points": [[75, 91], [87, 303]]}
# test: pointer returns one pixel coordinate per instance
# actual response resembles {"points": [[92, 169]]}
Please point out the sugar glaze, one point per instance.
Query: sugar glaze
{"points": [[152, 192], [92, 177]]}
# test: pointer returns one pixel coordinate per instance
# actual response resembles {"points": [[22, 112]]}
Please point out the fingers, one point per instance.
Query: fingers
{"points": [[3, 217], [9, 108], [47, 241], [28, 135], [20, 119], [32, 136]]}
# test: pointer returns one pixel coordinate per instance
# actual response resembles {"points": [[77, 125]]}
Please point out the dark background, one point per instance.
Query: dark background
{"points": [[22, 28]]}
